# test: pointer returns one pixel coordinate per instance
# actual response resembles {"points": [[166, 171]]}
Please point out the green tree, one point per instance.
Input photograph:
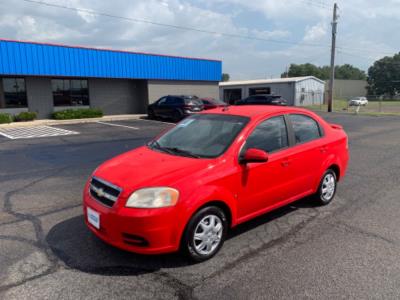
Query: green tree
{"points": [[384, 76], [342, 72], [349, 72], [225, 77]]}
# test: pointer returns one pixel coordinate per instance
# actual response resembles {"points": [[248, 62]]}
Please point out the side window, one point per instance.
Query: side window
{"points": [[251, 99], [271, 135], [174, 100], [162, 101], [305, 128]]}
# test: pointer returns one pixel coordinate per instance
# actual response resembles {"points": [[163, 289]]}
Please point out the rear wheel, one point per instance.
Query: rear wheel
{"points": [[177, 116], [205, 233], [327, 188]]}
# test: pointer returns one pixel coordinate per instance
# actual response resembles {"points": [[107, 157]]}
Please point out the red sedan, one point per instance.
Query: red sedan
{"points": [[211, 172]]}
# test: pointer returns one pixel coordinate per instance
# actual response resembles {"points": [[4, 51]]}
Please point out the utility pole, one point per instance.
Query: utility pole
{"points": [[333, 50]]}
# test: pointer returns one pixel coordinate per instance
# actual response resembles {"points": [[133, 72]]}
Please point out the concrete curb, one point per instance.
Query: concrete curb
{"points": [[74, 121]]}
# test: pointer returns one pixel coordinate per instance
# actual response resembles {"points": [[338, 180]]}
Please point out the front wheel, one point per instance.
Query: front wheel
{"points": [[327, 188], [150, 114], [205, 233]]}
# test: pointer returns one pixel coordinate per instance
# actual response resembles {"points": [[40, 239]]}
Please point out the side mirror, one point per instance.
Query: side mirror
{"points": [[253, 155]]}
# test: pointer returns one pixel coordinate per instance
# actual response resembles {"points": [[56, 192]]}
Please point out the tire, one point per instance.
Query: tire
{"points": [[177, 116], [327, 188], [151, 115], [209, 240]]}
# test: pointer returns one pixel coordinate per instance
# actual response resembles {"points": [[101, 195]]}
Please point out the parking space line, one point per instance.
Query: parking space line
{"points": [[118, 125]]}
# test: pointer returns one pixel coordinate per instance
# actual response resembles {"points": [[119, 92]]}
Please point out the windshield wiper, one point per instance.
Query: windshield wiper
{"points": [[172, 150], [156, 145], [181, 151]]}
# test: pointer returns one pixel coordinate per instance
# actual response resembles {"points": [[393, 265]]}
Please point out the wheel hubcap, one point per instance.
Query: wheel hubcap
{"points": [[328, 187], [208, 234]]}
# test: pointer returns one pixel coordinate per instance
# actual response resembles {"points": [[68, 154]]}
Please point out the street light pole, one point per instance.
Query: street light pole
{"points": [[333, 50]]}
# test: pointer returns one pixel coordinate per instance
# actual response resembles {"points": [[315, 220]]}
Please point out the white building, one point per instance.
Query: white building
{"points": [[298, 91]]}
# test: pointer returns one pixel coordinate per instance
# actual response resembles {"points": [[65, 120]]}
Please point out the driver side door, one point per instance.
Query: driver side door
{"points": [[160, 107]]}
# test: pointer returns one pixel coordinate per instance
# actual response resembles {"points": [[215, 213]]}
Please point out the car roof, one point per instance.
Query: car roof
{"points": [[183, 96], [266, 95], [254, 111]]}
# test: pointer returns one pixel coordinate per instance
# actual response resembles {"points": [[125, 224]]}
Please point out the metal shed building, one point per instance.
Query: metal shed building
{"points": [[46, 77], [298, 91]]}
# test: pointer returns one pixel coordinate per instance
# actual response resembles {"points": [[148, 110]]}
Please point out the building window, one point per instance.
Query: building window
{"points": [[259, 91], [14, 93], [70, 92], [232, 95]]}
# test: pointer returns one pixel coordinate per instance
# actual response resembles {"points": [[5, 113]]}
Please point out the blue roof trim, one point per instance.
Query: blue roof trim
{"points": [[34, 59]]}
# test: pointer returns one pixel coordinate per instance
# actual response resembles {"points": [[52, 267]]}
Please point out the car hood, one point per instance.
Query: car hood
{"points": [[144, 167]]}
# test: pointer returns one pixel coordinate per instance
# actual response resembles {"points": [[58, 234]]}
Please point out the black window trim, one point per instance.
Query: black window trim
{"points": [[290, 137], [159, 100], [292, 134], [289, 131], [26, 92], [70, 80]]}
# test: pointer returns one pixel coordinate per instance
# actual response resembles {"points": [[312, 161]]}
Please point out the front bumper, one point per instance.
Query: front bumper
{"points": [[145, 231]]}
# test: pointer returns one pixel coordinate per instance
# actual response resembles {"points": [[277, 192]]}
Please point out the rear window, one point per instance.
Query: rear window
{"points": [[193, 101]]}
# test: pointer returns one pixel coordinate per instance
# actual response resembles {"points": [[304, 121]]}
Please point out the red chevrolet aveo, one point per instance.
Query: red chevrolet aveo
{"points": [[212, 171]]}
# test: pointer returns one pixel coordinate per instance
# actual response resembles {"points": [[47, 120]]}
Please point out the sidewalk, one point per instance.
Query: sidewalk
{"points": [[74, 121]]}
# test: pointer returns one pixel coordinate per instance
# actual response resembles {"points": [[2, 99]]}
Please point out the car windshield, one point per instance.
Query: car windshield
{"points": [[201, 136]]}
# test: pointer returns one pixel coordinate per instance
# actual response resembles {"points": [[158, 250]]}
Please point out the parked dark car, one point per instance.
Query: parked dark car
{"points": [[210, 103], [266, 99], [174, 107]]}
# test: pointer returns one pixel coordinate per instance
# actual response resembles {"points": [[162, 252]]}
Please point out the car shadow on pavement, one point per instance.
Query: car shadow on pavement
{"points": [[271, 216], [76, 246]]}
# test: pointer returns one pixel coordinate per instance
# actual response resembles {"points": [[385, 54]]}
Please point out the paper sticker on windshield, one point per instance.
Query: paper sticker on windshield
{"points": [[185, 123]]}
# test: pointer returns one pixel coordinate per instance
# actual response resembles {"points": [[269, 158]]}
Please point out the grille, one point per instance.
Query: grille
{"points": [[104, 192]]}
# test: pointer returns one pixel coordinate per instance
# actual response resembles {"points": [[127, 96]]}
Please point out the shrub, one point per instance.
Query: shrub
{"points": [[25, 116], [78, 113], [5, 118]]}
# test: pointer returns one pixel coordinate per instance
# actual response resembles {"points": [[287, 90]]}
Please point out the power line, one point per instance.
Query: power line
{"points": [[316, 3], [366, 50], [215, 33], [355, 55], [178, 27]]}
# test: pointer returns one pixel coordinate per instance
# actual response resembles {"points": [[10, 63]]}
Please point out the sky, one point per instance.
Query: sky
{"points": [[254, 39]]}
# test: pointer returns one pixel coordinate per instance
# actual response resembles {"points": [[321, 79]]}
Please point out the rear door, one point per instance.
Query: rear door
{"points": [[172, 105], [307, 154]]}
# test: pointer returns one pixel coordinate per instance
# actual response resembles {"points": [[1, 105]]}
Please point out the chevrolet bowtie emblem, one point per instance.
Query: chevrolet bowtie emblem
{"points": [[100, 192]]}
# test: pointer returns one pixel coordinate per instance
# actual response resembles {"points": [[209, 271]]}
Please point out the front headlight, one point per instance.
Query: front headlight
{"points": [[153, 198]]}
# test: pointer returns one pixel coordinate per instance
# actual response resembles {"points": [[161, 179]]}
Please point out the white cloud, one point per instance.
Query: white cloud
{"points": [[373, 28], [316, 32]]}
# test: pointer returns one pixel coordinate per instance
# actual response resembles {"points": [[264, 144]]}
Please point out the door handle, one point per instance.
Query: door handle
{"points": [[323, 149], [285, 163]]}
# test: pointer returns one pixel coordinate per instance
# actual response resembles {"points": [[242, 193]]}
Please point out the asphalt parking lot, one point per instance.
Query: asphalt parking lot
{"points": [[349, 249]]}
